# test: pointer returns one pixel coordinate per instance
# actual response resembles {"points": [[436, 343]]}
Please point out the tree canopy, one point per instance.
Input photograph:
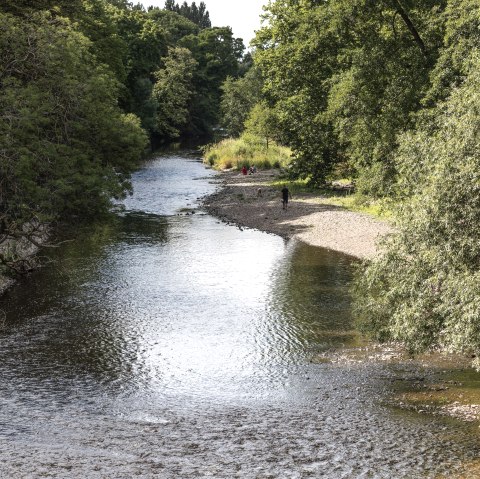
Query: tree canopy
{"points": [[389, 91], [61, 130], [84, 84], [198, 15], [347, 76]]}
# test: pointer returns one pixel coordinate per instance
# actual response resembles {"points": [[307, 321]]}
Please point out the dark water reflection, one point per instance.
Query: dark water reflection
{"points": [[165, 318]]}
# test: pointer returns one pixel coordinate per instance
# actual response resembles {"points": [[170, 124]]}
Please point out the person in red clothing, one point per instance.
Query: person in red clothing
{"points": [[244, 170]]}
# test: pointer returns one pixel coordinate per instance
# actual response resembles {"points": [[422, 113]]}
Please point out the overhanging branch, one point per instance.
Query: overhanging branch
{"points": [[411, 27]]}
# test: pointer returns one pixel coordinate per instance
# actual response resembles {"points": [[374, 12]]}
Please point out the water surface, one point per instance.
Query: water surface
{"points": [[168, 344]]}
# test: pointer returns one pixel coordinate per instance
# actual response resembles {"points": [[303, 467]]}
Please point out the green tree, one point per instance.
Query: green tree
{"points": [[262, 122], [174, 25], [97, 22], [461, 36], [66, 146], [218, 55], [147, 45], [347, 76], [198, 15], [67, 8], [424, 288], [172, 90], [238, 98]]}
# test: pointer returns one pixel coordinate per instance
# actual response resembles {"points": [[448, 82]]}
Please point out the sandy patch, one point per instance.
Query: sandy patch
{"points": [[250, 201]]}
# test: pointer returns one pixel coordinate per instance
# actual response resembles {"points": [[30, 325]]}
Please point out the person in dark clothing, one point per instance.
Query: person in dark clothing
{"points": [[285, 196]]}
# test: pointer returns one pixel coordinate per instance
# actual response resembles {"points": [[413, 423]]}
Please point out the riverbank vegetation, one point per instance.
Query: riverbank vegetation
{"points": [[386, 94], [87, 88], [248, 150]]}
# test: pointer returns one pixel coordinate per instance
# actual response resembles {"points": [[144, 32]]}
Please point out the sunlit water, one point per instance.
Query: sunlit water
{"points": [[168, 344]]}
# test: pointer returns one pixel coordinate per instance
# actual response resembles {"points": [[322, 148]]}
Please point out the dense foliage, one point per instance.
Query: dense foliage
{"points": [[239, 97], [345, 77], [387, 91], [84, 84], [424, 289], [198, 15], [61, 130]]}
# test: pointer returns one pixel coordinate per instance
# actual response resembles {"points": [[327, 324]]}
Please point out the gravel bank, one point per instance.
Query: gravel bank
{"points": [[250, 201]]}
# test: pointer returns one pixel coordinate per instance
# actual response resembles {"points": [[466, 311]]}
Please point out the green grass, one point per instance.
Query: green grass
{"points": [[359, 203], [295, 186], [246, 151], [353, 202]]}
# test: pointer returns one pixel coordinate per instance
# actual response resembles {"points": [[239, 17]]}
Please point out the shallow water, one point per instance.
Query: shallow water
{"points": [[168, 344]]}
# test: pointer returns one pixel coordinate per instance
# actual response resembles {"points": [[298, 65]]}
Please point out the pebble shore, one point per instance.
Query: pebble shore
{"points": [[250, 201]]}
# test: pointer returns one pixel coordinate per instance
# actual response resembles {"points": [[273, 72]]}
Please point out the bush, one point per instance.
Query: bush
{"points": [[375, 181], [247, 150], [211, 159], [424, 289]]}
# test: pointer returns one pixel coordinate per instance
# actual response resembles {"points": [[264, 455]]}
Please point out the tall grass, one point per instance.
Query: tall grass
{"points": [[246, 151]]}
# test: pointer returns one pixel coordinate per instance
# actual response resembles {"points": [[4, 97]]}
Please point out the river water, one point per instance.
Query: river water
{"points": [[167, 344]]}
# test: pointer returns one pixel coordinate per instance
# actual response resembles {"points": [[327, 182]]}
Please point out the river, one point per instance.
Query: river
{"points": [[167, 344]]}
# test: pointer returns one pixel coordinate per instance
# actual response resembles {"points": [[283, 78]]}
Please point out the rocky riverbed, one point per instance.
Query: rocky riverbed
{"points": [[251, 201]]}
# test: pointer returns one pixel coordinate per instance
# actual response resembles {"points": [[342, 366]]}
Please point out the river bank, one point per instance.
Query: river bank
{"points": [[251, 201], [21, 251]]}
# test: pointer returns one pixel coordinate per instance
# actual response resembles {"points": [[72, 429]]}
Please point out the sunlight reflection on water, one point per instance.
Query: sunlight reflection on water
{"points": [[162, 336]]}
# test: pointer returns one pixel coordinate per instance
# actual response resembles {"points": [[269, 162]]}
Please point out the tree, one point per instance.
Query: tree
{"points": [[147, 45], [238, 98], [347, 75], [172, 90], [218, 54], [67, 148], [198, 15], [461, 36], [424, 289], [24, 8], [174, 25], [262, 122], [97, 22]]}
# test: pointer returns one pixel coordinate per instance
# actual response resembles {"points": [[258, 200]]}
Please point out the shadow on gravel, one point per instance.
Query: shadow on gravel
{"points": [[250, 201]]}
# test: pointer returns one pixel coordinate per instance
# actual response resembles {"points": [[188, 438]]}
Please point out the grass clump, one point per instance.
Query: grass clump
{"points": [[295, 186], [362, 204], [246, 151], [377, 207]]}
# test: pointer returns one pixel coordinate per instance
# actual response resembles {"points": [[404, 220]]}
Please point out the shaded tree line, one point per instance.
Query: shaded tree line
{"points": [[86, 86], [387, 91]]}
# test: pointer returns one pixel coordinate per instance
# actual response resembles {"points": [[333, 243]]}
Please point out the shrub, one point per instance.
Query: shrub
{"points": [[247, 150], [375, 180], [424, 289]]}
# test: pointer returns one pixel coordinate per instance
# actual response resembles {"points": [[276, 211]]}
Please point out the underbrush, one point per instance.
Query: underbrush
{"points": [[248, 150]]}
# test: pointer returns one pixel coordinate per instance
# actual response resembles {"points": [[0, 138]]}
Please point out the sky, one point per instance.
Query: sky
{"points": [[242, 15]]}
